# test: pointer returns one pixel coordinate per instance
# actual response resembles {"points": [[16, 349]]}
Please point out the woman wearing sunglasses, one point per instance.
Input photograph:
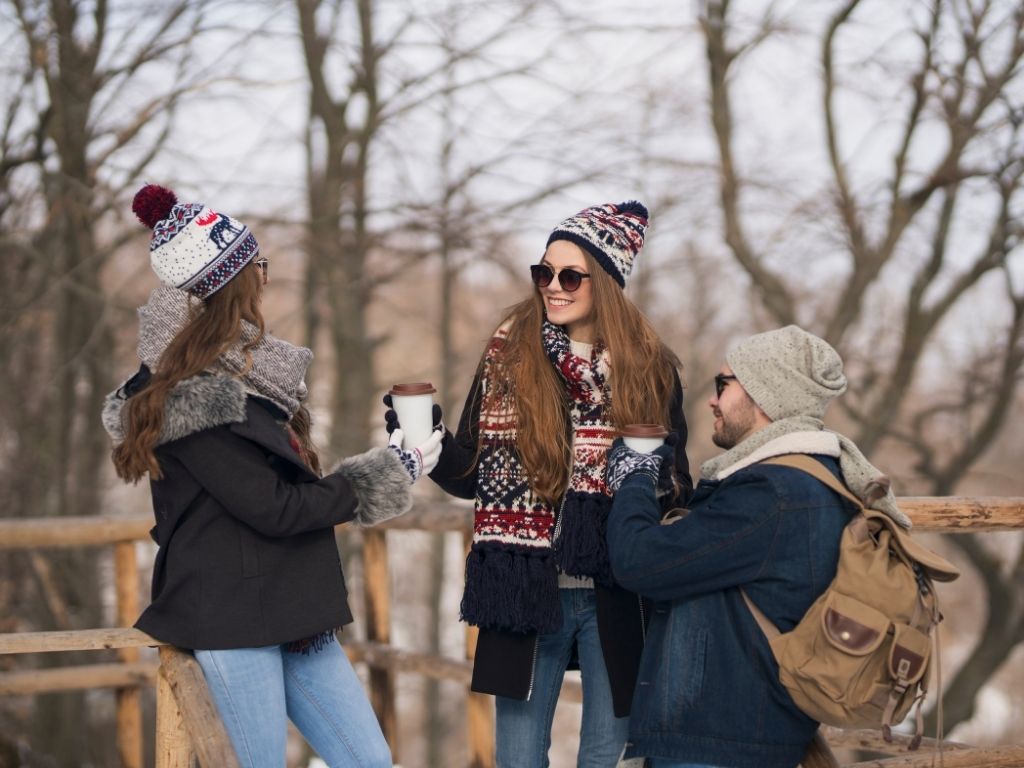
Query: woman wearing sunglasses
{"points": [[247, 574], [568, 368]]}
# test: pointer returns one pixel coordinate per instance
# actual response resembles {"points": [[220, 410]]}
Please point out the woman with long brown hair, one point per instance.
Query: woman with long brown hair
{"points": [[247, 574], [565, 371]]}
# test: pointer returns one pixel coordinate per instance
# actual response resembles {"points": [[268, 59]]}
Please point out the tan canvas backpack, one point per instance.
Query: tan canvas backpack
{"points": [[861, 655]]}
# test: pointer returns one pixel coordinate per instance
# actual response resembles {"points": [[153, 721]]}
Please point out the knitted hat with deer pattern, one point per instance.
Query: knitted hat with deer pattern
{"points": [[613, 233], [193, 248]]}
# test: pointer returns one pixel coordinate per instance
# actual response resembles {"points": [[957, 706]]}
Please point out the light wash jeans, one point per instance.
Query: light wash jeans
{"points": [[523, 728], [256, 690]]}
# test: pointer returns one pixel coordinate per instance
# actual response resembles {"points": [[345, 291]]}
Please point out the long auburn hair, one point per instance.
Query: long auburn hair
{"points": [[212, 329], [642, 379]]}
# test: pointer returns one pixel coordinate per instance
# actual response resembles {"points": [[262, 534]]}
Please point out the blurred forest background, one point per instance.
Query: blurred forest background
{"points": [[854, 166]]}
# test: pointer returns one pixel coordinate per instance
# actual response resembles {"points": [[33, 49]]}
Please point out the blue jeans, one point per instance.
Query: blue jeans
{"points": [[523, 728], [657, 763], [256, 690]]}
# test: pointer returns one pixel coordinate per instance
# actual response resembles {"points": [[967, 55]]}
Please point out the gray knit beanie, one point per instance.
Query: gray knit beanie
{"points": [[788, 372]]}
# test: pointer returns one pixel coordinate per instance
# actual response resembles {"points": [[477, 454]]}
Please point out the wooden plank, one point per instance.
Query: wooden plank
{"points": [[862, 738], [128, 715], [1010, 756], [397, 660], [75, 640], [945, 514], [818, 754], [76, 678], [206, 733], [436, 667], [173, 748], [962, 514], [377, 588], [29, 533]]}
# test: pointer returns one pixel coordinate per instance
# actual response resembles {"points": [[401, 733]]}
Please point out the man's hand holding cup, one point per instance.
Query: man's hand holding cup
{"points": [[641, 449]]}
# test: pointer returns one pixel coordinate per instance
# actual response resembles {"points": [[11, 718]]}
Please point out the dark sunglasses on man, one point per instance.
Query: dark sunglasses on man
{"points": [[721, 380], [570, 279]]}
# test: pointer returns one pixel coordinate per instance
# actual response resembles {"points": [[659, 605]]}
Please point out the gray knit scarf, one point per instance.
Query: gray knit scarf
{"points": [[866, 482], [278, 368]]}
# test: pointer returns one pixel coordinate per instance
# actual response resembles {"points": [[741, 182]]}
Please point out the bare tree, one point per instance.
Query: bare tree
{"points": [[75, 133], [965, 86]]}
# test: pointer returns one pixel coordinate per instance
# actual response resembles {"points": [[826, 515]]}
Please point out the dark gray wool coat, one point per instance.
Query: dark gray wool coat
{"points": [[247, 553]]}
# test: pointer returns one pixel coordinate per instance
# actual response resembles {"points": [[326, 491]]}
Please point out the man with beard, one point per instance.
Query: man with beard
{"points": [[708, 694]]}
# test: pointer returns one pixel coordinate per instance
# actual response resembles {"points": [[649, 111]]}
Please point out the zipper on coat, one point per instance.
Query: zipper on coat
{"points": [[558, 520], [533, 666]]}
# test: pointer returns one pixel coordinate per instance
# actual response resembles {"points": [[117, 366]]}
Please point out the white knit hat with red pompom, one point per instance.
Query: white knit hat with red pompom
{"points": [[193, 247]]}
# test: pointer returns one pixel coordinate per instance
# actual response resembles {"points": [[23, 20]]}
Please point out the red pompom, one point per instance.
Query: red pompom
{"points": [[153, 203]]}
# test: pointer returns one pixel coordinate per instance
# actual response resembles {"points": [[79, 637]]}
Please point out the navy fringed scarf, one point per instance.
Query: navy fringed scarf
{"points": [[519, 542]]}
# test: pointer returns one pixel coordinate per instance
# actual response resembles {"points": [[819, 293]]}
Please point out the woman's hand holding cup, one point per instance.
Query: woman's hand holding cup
{"points": [[414, 424], [423, 458]]}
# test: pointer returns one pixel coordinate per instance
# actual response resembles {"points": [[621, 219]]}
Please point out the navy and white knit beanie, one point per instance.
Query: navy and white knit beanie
{"points": [[193, 247], [788, 372], [612, 233]]}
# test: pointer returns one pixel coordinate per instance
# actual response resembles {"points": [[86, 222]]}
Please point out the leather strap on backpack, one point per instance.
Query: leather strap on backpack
{"points": [[817, 470]]}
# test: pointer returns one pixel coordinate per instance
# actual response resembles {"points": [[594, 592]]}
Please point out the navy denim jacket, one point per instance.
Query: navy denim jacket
{"points": [[708, 689]]}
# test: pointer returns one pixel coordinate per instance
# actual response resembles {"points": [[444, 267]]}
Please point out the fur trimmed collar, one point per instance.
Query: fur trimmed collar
{"points": [[194, 405], [823, 443]]}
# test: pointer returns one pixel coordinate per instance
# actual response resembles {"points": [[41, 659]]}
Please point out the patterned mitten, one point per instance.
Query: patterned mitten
{"points": [[422, 458], [623, 461]]}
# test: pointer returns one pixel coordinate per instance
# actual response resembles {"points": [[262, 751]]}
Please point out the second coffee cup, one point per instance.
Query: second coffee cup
{"points": [[414, 404], [644, 438]]}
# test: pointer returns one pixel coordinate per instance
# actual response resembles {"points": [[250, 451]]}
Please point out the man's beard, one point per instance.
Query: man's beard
{"points": [[735, 429]]}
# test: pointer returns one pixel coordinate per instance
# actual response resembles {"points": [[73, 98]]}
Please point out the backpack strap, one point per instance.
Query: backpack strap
{"points": [[817, 470], [766, 624]]}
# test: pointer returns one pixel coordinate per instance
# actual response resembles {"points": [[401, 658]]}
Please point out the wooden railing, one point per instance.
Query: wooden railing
{"points": [[188, 727]]}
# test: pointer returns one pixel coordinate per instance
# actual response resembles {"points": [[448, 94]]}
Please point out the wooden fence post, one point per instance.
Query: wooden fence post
{"points": [[479, 706], [377, 581], [818, 754], [197, 716], [173, 748], [129, 700]]}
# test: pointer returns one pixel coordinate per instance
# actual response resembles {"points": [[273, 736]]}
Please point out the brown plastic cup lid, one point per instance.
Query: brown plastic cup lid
{"points": [[644, 430], [416, 388]]}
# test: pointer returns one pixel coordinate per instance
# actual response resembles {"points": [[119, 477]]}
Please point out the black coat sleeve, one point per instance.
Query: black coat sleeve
{"points": [[456, 471], [237, 473]]}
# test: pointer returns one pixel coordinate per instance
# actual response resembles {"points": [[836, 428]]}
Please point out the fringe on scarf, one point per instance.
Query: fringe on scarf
{"points": [[511, 588], [315, 643], [581, 548]]}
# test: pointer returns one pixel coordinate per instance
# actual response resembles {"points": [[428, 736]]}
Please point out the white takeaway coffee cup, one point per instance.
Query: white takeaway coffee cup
{"points": [[644, 438], [414, 404]]}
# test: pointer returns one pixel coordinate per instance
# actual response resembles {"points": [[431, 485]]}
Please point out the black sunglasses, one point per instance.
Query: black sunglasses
{"points": [[720, 381], [569, 279], [264, 265]]}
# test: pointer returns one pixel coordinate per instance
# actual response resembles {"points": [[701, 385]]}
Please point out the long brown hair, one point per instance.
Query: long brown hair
{"points": [[211, 330], [642, 379]]}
